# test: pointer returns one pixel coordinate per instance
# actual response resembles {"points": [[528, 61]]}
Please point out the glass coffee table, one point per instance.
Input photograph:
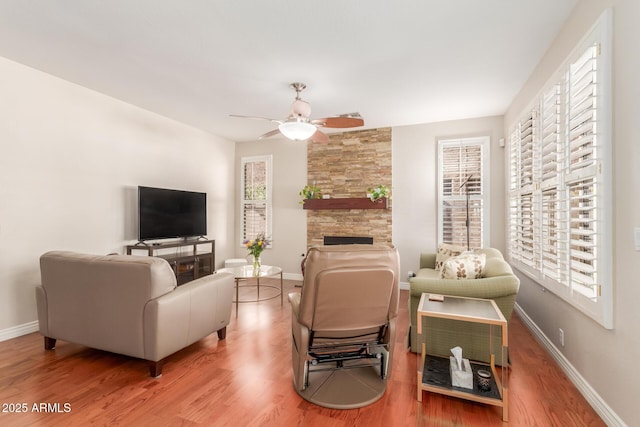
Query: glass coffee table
{"points": [[246, 272]]}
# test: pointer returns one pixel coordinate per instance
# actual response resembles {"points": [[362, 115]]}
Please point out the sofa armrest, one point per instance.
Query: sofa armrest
{"points": [[186, 315], [427, 260]]}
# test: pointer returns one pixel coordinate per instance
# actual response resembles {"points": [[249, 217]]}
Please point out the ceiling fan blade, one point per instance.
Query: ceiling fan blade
{"points": [[257, 118], [269, 134], [345, 121], [319, 137]]}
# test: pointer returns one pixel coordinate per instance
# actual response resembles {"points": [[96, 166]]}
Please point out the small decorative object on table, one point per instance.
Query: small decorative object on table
{"points": [[378, 192], [256, 246], [484, 380], [436, 297], [461, 372]]}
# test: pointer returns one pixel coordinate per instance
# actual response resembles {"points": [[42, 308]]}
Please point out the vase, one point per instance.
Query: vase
{"points": [[256, 265]]}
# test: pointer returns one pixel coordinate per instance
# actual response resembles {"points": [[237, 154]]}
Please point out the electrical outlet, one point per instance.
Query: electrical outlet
{"points": [[410, 274], [561, 335]]}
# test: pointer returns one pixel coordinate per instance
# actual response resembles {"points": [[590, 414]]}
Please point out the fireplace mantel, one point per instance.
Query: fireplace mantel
{"points": [[345, 203]]}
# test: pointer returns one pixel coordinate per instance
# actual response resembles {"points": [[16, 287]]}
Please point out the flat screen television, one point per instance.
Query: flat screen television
{"points": [[165, 213]]}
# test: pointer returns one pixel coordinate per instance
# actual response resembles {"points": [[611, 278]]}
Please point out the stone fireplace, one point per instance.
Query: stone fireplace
{"points": [[345, 168]]}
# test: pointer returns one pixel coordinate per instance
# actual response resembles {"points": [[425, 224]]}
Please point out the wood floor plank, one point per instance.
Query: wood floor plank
{"points": [[246, 380]]}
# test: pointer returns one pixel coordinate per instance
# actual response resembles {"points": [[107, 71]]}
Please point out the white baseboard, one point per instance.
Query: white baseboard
{"points": [[597, 403], [18, 331], [292, 276], [404, 286]]}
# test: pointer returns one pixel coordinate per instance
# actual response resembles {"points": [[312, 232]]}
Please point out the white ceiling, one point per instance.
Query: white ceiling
{"points": [[198, 61]]}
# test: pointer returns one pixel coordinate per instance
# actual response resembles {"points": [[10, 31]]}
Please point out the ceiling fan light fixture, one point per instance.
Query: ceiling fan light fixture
{"points": [[297, 130], [299, 127]]}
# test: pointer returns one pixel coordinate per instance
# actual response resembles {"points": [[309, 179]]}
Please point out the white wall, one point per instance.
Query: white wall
{"points": [[605, 359], [415, 190], [70, 163], [289, 219]]}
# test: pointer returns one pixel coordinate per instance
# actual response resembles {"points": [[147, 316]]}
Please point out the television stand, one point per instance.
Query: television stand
{"points": [[188, 259]]}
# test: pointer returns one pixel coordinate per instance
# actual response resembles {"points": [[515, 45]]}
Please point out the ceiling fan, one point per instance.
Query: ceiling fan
{"points": [[299, 127]]}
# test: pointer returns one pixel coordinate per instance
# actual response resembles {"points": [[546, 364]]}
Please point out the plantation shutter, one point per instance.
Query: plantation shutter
{"points": [[521, 204], [583, 236], [526, 151], [526, 229], [514, 208], [560, 215], [582, 110], [553, 226], [550, 122], [255, 203], [461, 170], [582, 171], [553, 174]]}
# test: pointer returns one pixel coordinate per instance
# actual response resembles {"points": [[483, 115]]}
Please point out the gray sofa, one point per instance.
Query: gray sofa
{"points": [[498, 283], [128, 305]]}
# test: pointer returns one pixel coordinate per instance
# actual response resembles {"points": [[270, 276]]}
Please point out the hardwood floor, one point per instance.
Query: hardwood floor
{"points": [[246, 380]]}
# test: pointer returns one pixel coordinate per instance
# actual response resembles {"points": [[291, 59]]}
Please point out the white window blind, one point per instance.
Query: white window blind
{"points": [[461, 177], [522, 198], [553, 226], [582, 174], [256, 197], [559, 173]]}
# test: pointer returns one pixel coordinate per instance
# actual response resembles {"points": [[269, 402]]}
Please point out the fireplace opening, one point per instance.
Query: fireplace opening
{"points": [[347, 240]]}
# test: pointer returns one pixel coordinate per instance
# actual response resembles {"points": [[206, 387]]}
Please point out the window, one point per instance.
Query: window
{"points": [[560, 184], [256, 196], [461, 181]]}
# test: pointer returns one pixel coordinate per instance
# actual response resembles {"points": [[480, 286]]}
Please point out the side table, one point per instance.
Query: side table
{"points": [[245, 272], [433, 371]]}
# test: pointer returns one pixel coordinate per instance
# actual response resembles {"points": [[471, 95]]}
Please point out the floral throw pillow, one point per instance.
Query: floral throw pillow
{"points": [[445, 251], [465, 266]]}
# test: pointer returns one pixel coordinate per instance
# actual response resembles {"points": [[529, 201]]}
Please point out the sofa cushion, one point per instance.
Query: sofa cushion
{"points": [[465, 266], [445, 251]]}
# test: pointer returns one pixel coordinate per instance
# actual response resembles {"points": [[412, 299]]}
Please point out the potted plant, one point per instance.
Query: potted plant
{"points": [[310, 192], [377, 193]]}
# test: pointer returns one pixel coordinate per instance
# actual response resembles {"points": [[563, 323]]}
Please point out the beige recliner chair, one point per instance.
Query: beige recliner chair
{"points": [[343, 318], [128, 305]]}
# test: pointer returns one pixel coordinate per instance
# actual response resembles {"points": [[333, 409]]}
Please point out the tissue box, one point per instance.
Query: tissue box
{"points": [[461, 378]]}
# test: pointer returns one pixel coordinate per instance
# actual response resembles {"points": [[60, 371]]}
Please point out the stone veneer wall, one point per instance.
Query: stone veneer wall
{"points": [[345, 167]]}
